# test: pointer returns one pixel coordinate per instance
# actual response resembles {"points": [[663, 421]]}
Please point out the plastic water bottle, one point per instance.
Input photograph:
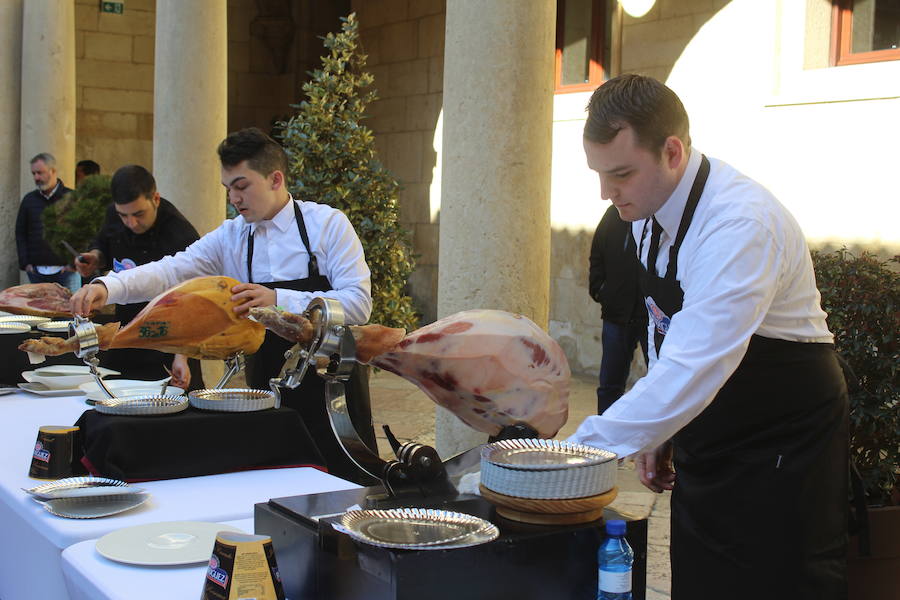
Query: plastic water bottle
{"points": [[614, 559]]}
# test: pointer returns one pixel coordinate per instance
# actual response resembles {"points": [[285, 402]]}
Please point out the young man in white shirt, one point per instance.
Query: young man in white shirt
{"points": [[746, 390], [286, 252]]}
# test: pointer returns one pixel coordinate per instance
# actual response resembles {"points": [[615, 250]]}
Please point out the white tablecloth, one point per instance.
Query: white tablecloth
{"points": [[90, 576], [32, 539]]}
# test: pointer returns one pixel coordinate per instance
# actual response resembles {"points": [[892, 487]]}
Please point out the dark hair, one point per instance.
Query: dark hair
{"points": [[88, 167], [650, 108], [131, 182], [263, 154]]}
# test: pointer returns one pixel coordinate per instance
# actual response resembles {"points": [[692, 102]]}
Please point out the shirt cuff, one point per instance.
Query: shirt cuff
{"points": [[115, 289]]}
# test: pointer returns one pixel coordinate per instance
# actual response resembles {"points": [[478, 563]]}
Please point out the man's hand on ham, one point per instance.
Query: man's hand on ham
{"points": [[87, 262], [655, 468], [88, 298], [248, 295], [181, 372]]}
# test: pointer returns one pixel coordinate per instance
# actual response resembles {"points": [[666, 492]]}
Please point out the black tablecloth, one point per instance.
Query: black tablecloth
{"points": [[193, 443], [13, 361]]}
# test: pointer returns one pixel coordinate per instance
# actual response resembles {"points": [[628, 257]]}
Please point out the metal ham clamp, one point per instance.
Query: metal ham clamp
{"points": [[418, 470]]}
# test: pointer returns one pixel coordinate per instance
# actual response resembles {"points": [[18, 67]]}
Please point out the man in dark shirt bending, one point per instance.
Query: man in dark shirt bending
{"points": [[140, 227]]}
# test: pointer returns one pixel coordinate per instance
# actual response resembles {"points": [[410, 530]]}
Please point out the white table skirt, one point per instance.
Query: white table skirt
{"points": [[33, 539], [90, 576]]}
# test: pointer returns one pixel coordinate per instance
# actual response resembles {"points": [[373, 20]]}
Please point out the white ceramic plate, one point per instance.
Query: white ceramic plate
{"points": [[127, 387], [65, 376], [162, 544], [41, 390]]}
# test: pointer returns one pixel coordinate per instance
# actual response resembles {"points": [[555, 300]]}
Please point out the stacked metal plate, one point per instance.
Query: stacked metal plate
{"points": [[55, 326], [547, 469], [87, 497], [30, 320], [232, 399], [417, 528], [142, 405]]}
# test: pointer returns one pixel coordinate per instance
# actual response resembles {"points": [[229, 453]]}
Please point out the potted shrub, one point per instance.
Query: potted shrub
{"points": [[333, 160], [78, 216], [861, 295]]}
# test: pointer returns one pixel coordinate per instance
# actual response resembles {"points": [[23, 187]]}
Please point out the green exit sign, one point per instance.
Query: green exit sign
{"points": [[116, 8]]}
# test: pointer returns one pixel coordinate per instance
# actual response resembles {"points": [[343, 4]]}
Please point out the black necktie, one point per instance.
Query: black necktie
{"points": [[654, 246]]}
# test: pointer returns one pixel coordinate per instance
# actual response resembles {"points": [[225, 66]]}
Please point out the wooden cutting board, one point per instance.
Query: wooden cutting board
{"points": [[564, 511]]}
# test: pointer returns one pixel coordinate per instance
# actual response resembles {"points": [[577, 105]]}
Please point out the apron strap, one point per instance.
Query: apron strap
{"points": [[313, 265], [687, 216]]}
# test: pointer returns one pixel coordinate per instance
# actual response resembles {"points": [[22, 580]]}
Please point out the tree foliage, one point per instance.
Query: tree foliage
{"points": [[333, 160], [78, 216], [861, 295]]}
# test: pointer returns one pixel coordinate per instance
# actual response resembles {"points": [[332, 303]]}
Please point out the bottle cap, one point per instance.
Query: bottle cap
{"points": [[615, 527]]}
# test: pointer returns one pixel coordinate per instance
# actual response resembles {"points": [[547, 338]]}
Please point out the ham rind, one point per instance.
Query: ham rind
{"points": [[490, 368], [39, 299]]}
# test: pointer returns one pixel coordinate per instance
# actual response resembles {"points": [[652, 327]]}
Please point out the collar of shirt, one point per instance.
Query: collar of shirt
{"points": [[283, 219], [669, 214], [52, 192]]}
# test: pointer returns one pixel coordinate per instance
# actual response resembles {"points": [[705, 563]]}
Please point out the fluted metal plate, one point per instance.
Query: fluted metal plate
{"points": [[95, 507], [142, 406], [543, 455], [14, 327], [232, 399], [45, 490], [54, 326], [418, 528], [29, 320]]}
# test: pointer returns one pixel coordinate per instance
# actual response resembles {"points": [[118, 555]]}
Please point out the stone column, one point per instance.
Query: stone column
{"points": [[190, 107], [10, 163], [495, 192], [48, 90]]}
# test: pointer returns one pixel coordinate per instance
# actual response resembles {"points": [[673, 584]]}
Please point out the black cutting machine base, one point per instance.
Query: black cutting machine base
{"points": [[318, 562]]}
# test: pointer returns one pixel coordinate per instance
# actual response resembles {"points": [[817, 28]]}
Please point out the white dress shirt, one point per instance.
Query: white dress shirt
{"points": [[278, 255], [745, 269]]}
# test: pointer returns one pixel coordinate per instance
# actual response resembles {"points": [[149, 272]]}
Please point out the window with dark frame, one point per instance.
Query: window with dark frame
{"points": [[582, 44], [865, 31]]}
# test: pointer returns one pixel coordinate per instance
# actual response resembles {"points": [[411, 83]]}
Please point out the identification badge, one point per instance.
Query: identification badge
{"points": [[123, 265], [660, 319]]}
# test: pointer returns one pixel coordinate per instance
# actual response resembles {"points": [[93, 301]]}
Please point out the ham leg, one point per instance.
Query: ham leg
{"points": [[39, 299], [490, 368], [195, 318]]}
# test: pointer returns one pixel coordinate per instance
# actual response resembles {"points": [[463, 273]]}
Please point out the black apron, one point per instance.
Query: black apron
{"points": [[309, 397], [760, 497]]}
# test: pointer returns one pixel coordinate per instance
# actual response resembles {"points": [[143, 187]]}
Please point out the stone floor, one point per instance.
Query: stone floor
{"points": [[410, 415]]}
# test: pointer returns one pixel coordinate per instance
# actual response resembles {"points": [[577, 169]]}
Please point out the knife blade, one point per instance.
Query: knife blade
{"points": [[74, 252]]}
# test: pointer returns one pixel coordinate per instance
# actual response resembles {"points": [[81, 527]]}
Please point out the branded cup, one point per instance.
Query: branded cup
{"points": [[242, 565], [53, 450]]}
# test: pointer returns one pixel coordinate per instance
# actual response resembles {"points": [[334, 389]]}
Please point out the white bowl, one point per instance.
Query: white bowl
{"points": [[128, 387], [64, 377]]}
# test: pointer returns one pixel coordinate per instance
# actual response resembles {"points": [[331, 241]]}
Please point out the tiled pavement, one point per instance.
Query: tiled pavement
{"points": [[410, 415]]}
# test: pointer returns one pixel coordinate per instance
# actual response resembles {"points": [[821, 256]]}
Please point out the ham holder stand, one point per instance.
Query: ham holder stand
{"points": [[85, 332], [317, 560]]}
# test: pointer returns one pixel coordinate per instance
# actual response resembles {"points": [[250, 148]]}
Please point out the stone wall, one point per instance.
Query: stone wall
{"points": [[114, 84], [405, 43]]}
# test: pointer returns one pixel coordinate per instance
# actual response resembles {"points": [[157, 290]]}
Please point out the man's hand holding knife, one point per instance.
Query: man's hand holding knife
{"points": [[86, 263]]}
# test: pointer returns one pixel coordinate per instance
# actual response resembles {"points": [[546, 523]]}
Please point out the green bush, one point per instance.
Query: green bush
{"points": [[861, 295], [78, 216], [333, 161]]}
